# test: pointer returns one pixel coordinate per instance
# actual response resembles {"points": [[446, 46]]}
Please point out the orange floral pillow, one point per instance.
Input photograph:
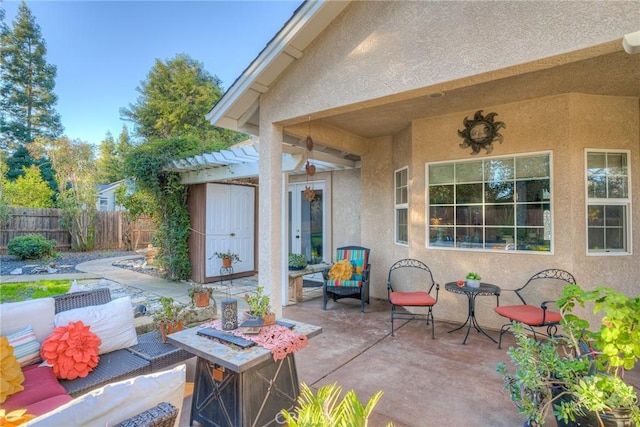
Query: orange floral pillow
{"points": [[71, 350], [11, 377], [341, 270]]}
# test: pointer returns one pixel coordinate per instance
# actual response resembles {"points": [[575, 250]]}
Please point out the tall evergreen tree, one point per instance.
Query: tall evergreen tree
{"points": [[27, 82], [174, 100]]}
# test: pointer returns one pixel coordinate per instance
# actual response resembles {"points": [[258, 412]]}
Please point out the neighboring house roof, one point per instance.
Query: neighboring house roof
{"points": [[102, 188]]}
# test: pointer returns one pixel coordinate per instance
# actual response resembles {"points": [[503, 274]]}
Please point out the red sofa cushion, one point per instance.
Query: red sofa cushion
{"points": [[40, 386]]}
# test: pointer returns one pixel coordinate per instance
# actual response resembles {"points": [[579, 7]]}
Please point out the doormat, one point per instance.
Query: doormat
{"points": [[311, 284]]}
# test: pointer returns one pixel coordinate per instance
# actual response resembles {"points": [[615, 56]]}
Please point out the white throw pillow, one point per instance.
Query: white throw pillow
{"points": [[112, 322], [39, 313], [119, 401]]}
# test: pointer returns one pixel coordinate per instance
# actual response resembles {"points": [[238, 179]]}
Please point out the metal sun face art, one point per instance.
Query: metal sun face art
{"points": [[481, 132]]}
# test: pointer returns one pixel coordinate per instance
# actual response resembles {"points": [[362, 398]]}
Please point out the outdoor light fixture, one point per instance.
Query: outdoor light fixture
{"points": [[631, 43]]}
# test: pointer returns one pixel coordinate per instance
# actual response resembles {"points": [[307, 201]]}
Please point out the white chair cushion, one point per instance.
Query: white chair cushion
{"points": [[39, 313], [112, 322]]}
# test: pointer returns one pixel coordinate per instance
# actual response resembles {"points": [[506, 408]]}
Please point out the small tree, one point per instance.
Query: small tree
{"points": [[75, 173], [30, 190]]}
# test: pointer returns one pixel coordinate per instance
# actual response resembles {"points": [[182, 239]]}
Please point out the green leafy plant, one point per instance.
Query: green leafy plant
{"points": [[229, 255], [297, 261], [169, 312], [325, 409], [613, 348], [258, 302], [473, 276], [31, 246], [579, 374], [541, 374]]}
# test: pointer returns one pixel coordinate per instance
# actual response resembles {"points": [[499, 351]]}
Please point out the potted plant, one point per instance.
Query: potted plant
{"points": [[259, 306], [613, 348], [473, 280], [580, 374], [228, 258], [297, 262], [170, 318], [541, 375], [200, 295]]}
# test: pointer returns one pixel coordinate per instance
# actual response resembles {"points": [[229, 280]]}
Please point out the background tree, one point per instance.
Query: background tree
{"points": [[21, 159], [173, 102], [110, 161], [29, 190], [74, 163], [27, 81]]}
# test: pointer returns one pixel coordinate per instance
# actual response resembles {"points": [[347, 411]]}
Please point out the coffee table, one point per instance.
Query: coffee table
{"points": [[240, 387]]}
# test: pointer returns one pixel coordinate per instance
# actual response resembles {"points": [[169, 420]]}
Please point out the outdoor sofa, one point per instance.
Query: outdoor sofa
{"points": [[118, 389]]}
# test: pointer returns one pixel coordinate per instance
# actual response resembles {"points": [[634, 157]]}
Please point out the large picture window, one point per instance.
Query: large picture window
{"points": [[608, 202], [401, 206], [496, 204]]}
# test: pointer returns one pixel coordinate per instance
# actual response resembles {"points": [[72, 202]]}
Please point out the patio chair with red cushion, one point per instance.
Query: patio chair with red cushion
{"points": [[533, 315], [348, 277], [410, 284]]}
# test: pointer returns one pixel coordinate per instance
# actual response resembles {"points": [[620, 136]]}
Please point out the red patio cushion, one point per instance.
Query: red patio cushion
{"points": [[527, 314], [39, 384], [411, 298]]}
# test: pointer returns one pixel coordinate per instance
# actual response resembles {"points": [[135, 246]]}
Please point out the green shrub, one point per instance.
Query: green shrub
{"points": [[31, 246]]}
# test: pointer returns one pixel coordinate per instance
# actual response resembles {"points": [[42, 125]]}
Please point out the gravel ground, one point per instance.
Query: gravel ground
{"points": [[65, 262]]}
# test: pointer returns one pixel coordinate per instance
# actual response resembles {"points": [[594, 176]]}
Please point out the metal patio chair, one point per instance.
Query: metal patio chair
{"points": [[415, 275], [528, 313]]}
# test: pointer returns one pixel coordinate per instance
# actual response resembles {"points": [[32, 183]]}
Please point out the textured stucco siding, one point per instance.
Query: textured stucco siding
{"points": [[378, 49]]}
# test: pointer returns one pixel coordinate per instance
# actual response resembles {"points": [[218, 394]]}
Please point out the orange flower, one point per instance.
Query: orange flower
{"points": [[71, 350]]}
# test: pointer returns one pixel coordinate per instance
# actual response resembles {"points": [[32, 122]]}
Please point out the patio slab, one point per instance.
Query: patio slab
{"points": [[426, 382]]}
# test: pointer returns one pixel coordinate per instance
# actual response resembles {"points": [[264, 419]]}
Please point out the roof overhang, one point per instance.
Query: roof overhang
{"points": [[239, 107]]}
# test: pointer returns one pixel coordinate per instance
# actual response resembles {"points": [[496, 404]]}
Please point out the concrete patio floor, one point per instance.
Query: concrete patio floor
{"points": [[425, 382]]}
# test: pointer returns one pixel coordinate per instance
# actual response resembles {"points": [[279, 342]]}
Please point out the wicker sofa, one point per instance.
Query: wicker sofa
{"points": [[148, 356]]}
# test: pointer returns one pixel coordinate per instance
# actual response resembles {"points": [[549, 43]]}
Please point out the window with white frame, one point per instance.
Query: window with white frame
{"points": [[104, 204], [401, 206], [608, 202], [493, 204]]}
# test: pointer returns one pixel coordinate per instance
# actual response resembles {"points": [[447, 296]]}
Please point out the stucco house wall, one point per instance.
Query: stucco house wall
{"points": [[398, 49], [381, 57], [564, 125]]}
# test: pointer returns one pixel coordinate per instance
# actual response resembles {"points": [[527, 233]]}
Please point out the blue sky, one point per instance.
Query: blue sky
{"points": [[104, 49]]}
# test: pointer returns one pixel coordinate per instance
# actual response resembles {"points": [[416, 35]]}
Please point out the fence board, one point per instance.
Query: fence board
{"points": [[109, 228]]}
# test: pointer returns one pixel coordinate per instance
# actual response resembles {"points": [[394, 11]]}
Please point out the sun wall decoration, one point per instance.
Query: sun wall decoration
{"points": [[480, 132]]}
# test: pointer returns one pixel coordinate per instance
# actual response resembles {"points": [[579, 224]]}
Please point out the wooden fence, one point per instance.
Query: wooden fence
{"points": [[112, 231]]}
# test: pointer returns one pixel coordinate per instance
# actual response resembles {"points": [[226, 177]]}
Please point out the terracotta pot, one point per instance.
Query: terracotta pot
{"points": [[201, 299], [167, 328], [226, 262], [269, 319]]}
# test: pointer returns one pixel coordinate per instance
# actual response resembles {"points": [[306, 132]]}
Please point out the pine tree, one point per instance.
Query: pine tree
{"points": [[174, 100], [27, 83]]}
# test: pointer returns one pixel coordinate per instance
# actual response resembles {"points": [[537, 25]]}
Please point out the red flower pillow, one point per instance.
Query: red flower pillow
{"points": [[71, 350]]}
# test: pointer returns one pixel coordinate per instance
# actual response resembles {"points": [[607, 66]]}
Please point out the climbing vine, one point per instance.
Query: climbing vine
{"points": [[165, 199]]}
